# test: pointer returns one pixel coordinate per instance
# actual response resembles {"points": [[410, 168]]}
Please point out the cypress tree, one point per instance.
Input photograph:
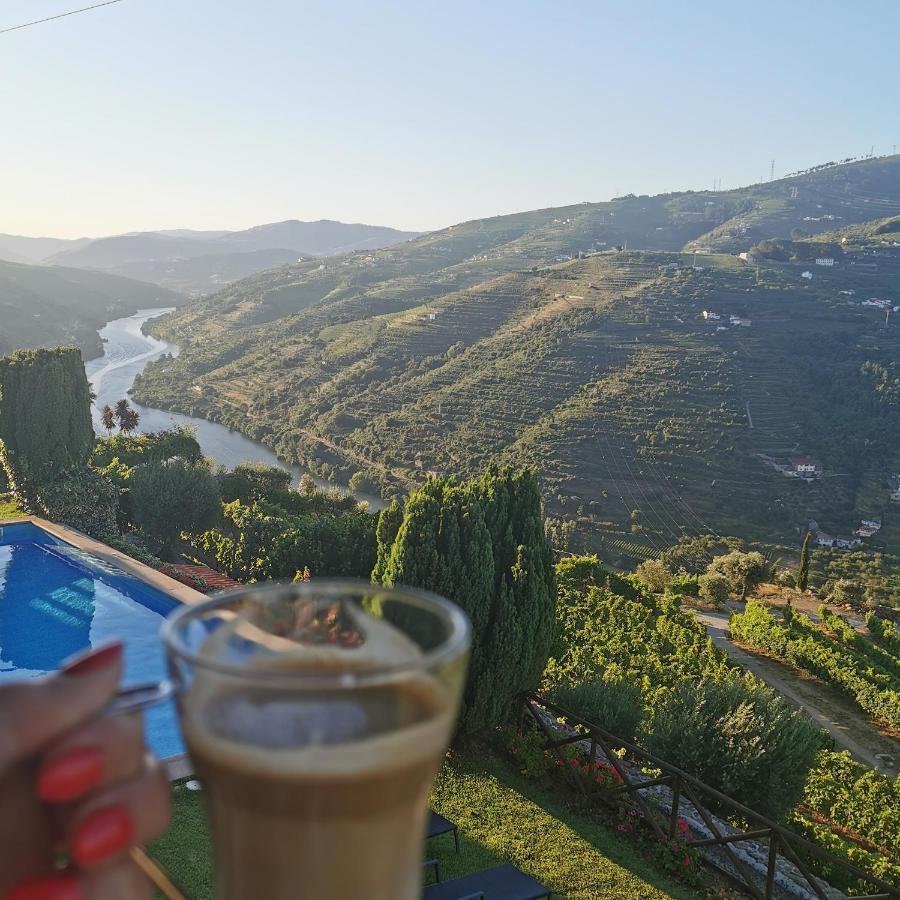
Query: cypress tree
{"points": [[389, 522], [803, 575], [482, 544], [45, 417]]}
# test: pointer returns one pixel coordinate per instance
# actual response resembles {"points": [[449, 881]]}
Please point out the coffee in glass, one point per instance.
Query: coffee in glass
{"points": [[316, 716]]}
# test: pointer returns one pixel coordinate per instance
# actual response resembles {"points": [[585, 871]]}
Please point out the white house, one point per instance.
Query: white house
{"points": [[806, 275], [878, 302], [847, 543], [824, 260], [847, 293], [895, 495], [711, 316], [874, 524], [740, 320], [804, 466], [824, 540]]}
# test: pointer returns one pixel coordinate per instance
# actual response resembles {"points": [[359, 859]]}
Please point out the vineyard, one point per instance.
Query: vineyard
{"points": [[531, 338], [611, 629], [866, 672]]}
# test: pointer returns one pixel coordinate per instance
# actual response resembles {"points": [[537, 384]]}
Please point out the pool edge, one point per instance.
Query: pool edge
{"points": [[176, 766], [161, 582]]}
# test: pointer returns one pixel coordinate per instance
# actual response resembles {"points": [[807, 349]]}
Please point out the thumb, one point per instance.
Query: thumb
{"points": [[36, 713]]}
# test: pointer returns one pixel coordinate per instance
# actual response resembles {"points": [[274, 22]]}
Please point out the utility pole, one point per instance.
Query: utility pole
{"points": [[772, 170]]}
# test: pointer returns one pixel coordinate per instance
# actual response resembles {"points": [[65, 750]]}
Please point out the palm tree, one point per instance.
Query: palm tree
{"points": [[127, 417], [108, 418]]}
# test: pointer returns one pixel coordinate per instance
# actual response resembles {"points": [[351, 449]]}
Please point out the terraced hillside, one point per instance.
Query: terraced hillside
{"points": [[528, 337]]}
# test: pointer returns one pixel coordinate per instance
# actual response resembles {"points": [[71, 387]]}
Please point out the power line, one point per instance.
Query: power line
{"points": [[60, 16]]}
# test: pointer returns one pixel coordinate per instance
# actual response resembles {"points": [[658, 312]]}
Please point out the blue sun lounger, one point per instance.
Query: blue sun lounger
{"points": [[500, 883], [437, 824]]}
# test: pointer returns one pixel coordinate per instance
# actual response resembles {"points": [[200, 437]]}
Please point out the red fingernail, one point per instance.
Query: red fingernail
{"points": [[70, 775], [93, 660], [100, 835], [56, 887]]}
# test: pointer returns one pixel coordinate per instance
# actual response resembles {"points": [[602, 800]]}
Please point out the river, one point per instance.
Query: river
{"points": [[127, 350]]}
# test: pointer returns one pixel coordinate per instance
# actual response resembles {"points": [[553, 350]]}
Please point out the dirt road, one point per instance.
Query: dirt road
{"points": [[850, 727]]}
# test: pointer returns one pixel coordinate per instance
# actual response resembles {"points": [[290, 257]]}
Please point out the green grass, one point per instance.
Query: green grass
{"points": [[9, 509], [502, 818]]}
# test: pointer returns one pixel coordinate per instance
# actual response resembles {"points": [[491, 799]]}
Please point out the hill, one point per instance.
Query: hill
{"points": [[203, 274], [15, 248], [197, 261], [529, 337], [48, 306], [322, 238]]}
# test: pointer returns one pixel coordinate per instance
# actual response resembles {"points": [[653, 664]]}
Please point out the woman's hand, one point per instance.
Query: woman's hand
{"points": [[72, 780]]}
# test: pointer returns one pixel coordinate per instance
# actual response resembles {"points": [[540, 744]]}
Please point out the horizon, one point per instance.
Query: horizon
{"points": [[192, 228], [418, 119]]}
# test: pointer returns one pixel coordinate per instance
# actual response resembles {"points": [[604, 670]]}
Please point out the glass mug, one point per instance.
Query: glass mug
{"points": [[317, 715]]}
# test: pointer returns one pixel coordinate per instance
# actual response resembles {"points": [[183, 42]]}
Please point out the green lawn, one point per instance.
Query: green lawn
{"points": [[9, 510], [502, 818]]}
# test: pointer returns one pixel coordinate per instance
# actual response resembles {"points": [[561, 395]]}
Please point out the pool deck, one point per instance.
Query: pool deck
{"points": [[176, 766]]}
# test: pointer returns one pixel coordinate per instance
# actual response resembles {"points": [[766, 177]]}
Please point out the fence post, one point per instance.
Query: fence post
{"points": [[773, 859], [676, 804]]}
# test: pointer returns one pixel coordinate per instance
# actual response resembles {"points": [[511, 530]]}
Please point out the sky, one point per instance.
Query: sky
{"points": [[218, 114]]}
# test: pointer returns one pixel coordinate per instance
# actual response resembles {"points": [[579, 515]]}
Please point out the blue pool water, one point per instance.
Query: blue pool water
{"points": [[56, 600]]}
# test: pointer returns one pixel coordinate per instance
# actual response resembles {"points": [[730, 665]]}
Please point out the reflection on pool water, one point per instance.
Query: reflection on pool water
{"points": [[56, 600]]}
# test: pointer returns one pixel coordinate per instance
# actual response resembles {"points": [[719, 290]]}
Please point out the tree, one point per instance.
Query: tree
{"points": [[739, 736], [254, 481], [127, 417], [482, 544], [654, 575], [714, 587], [306, 485], [389, 522], [359, 483], [45, 417], [803, 574], [170, 497], [743, 570], [108, 418]]}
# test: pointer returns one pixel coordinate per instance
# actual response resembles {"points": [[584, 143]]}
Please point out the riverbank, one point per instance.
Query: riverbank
{"points": [[127, 350]]}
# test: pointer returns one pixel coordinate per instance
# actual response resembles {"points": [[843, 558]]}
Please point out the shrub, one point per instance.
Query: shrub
{"points": [[253, 481], [714, 587], [168, 498], [263, 541], [743, 570], [845, 592], [133, 449], [359, 483], [653, 575], [685, 583], [616, 706], [883, 632], [739, 736], [84, 499]]}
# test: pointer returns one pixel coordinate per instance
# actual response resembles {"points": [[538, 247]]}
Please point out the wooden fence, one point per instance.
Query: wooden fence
{"points": [[710, 805]]}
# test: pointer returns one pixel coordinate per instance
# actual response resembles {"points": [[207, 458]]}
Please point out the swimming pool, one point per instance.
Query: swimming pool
{"points": [[56, 600]]}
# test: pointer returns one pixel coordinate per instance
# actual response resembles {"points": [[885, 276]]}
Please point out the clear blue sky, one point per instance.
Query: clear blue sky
{"points": [[229, 113]]}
